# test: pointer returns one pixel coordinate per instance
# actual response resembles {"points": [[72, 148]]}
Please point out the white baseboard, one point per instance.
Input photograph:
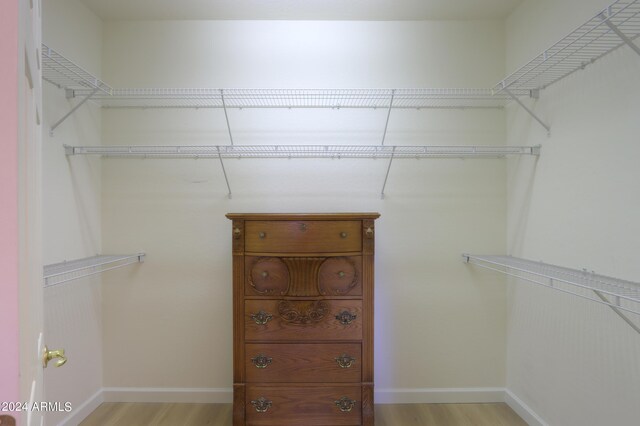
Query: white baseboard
{"points": [[438, 396], [81, 412], [523, 410], [186, 395]]}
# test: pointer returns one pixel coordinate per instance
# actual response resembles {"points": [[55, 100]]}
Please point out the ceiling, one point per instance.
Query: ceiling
{"points": [[360, 10]]}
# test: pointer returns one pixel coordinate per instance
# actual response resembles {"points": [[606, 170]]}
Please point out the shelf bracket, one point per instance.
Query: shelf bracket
{"points": [[224, 172], [386, 124], [226, 117], [619, 33], [384, 185], [78, 105], [531, 113], [617, 311]]}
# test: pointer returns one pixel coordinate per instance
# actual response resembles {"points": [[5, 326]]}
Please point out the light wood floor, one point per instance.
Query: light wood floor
{"points": [[144, 414]]}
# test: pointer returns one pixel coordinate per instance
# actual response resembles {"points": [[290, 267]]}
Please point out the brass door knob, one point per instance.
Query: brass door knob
{"points": [[58, 354]]}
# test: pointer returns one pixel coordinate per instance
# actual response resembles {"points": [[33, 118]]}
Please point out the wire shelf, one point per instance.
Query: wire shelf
{"points": [[62, 272], [302, 151], [64, 73], [588, 43], [302, 98], [616, 293]]}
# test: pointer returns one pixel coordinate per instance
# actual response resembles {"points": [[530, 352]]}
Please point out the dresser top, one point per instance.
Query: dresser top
{"points": [[303, 216]]}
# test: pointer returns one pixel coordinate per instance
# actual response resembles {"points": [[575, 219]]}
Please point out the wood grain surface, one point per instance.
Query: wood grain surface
{"points": [[328, 328], [171, 414], [297, 406], [303, 236], [304, 363]]}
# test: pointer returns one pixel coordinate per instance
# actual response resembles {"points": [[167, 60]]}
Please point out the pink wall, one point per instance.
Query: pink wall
{"points": [[9, 361]]}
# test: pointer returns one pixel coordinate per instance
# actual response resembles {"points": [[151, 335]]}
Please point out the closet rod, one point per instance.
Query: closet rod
{"points": [[301, 151]]}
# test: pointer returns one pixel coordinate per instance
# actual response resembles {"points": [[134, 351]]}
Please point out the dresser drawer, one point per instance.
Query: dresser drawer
{"points": [[303, 320], [309, 406], [303, 362], [303, 276], [303, 236]]}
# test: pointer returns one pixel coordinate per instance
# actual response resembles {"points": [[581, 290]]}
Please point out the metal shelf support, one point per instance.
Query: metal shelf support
{"points": [[78, 105], [226, 179], [619, 295], [386, 124], [625, 318], [384, 185], [531, 113], [226, 117], [605, 18]]}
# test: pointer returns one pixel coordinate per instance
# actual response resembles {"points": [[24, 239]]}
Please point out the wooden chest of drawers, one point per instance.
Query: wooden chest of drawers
{"points": [[303, 319]]}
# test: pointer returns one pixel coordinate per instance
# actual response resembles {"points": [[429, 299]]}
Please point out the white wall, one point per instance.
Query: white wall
{"points": [[71, 212], [571, 361], [439, 324]]}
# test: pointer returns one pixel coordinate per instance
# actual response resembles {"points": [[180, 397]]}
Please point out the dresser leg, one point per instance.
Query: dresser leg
{"points": [[239, 404], [367, 405]]}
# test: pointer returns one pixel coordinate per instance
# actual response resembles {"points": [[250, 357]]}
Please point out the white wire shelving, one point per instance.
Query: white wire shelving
{"points": [[66, 74], [62, 272], [302, 151], [227, 152], [617, 25], [620, 295], [302, 98], [612, 28]]}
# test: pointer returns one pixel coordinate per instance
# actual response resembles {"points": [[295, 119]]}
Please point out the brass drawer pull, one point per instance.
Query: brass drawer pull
{"points": [[262, 235], [345, 361], [261, 404], [261, 361], [346, 317], [261, 318], [344, 404], [343, 235]]}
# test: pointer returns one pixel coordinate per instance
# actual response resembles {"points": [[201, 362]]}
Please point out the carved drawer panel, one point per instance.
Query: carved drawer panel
{"points": [[303, 320], [266, 276], [303, 276], [303, 363], [340, 276], [307, 236], [309, 406]]}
